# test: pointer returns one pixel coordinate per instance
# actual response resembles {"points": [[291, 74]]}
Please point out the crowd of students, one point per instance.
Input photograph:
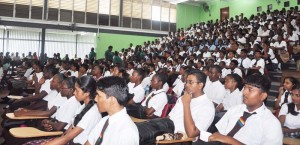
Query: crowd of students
{"points": [[214, 74]]}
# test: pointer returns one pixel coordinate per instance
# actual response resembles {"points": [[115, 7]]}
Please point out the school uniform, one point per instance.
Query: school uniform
{"points": [[166, 87], [260, 62], [286, 98], [27, 73], [262, 127], [232, 99], [46, 86], [157, 100], [215, 91], [235, 71], [291, 121], [87, 123], [74, 73], [67, 110], [202, 110], [138, 91], [120, 130], [244, 63]]}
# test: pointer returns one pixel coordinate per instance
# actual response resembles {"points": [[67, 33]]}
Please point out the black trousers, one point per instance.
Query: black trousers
{"points": [[149, 130]]}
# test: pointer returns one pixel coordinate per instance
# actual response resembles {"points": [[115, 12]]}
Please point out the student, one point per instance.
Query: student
{"points": [[258, 64], [135, 86], [233, 68], [284, 92], [214, 89], [289, 115], [74, 69], [97, 72], [251, 122], [193, 113], [233, 85], [83, 70], [154, 103], [117, 128], [87, 115]]}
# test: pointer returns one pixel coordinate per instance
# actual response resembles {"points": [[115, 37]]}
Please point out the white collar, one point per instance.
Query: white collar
{"points": [[117, 116]]}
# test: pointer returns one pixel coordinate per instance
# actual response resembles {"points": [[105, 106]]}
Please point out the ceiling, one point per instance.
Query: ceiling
{"points": [[192, 2]]}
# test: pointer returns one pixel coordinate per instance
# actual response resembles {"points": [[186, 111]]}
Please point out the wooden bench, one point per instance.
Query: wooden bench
{"points": [[12, 116], [29, 132]]}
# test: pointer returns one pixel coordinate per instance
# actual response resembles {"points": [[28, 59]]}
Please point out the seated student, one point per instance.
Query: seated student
{"points": [[83, 70], [97, 72], [178, 85], [154, 103], [214, 89], [49, 72], [289, 115], [74, 69], [58, 121], [193, 113], [233, 68], [147, 80], [244, 61], [251, 122], [87, 115], [233, 85], [258, 64], [135, 86], [284, 92], [117, 128]]}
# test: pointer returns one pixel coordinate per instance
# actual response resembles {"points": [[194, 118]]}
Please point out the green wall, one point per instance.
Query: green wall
{"points": [[236, 7], [118, 41], [187, 15]]}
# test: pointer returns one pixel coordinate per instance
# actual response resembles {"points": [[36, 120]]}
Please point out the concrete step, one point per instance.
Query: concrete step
{"points": [[275, 86], [273, 93], [270, 102]]}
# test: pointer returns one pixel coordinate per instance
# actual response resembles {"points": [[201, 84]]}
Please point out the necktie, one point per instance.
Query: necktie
{"points": [[254, 65], [100, 139], [242, 63], [232, 71], [286, 96], [240, 123]]}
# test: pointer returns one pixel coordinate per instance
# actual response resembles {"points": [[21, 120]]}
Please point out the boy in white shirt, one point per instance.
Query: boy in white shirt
{"points": [[112, 96]]}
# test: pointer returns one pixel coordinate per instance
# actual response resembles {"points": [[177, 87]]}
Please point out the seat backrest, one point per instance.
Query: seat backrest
{"points": [[167, 109]]}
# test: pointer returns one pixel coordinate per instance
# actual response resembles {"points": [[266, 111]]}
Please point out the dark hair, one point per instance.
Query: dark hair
{"points": [[116, 87], [125, 75], [75, 65], [293, 80], [70, 82], [52, 69], [201, 77], [291, 106], [141, 72], [100, 68], [245, 51], [86, 84], [238, 80], [217, 67], [259, 81], [235, 62], [85, 66], [162, 77]]}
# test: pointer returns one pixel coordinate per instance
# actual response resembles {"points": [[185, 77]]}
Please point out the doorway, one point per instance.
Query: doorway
{"points": [[224, 13]]}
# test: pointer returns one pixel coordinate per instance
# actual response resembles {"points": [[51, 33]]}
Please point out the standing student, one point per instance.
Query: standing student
{"points": [[289, 115], [251, 122], [87, 115], [117, 128], [284, 92]]}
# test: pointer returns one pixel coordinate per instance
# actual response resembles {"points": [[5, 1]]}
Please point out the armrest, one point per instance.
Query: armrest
{"points": [[12, 116], [174, 141], [29, 132]]}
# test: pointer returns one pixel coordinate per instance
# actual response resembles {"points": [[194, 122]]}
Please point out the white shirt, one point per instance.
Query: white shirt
{"points": [[46, 86], [202, 110], [206, 55], [51, 95], [246, 62], [236, 71], [215, 91], [232, 99], [281, 44], [138, 91], [56, 101], [67, 110], [262, 128], [107, 74], [166, 87], [87, 123], [38, 75], [272, 56], [74, 73], [28, 72], [120, 130], [179, 86], [260, 63], [289, 99], [157, 102], [130, 72], [291, 121]]}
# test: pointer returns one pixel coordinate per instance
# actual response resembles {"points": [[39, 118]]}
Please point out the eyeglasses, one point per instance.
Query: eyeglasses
{"points": [[190, 82]]}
